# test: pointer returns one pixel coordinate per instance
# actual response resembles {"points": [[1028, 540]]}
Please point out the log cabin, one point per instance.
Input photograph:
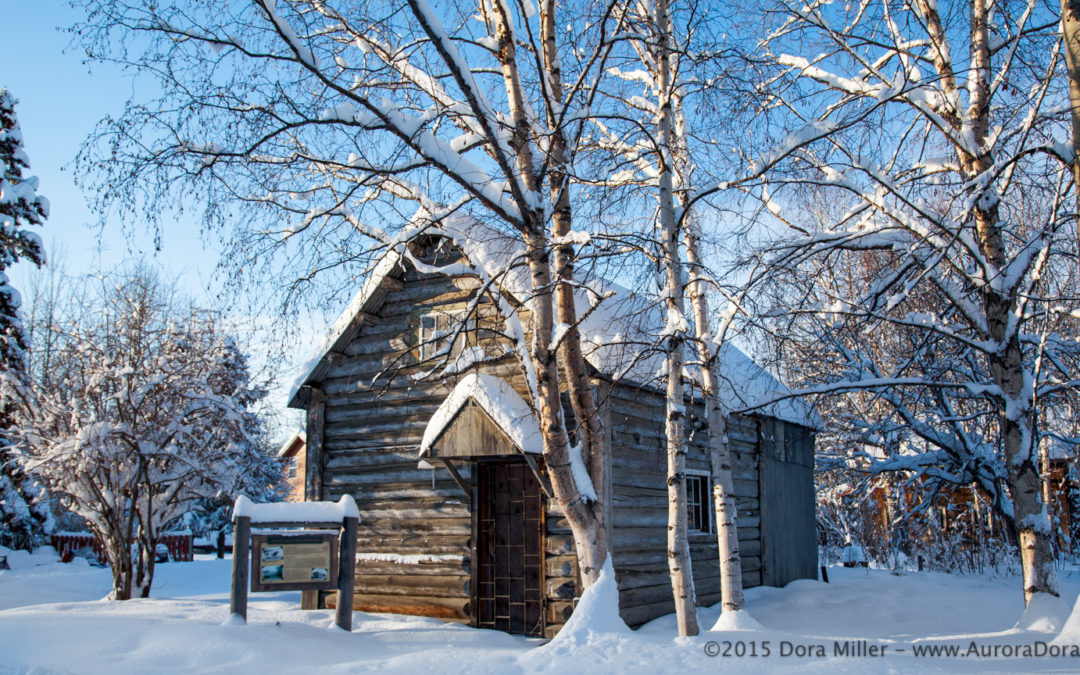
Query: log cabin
{"points": [[416, 406]]}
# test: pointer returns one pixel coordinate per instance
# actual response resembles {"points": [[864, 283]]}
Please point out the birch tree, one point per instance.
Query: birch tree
{"points": [[363, 128], [938, 123], [679, 61]]}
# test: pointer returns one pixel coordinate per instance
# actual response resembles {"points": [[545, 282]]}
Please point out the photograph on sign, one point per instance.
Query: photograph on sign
{"points": [[273, 573], [294, 562], [273, 553]]}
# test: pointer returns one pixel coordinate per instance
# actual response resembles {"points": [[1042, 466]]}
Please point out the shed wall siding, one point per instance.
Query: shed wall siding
{"points": [[787, 488], [639, 506]]}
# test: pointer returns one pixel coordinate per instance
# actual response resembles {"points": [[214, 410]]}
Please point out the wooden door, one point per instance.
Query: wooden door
{"points": [[510, 548]]}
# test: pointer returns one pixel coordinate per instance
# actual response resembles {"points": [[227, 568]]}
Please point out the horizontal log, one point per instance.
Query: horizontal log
{"points": [[366, 413], [390, 429], [560, 588], [446, 510], [397, 525], [637, 614], [418, 477], [438, 607], [421, 585], [438, 569], [561, 566], [558, 526], [559, 611], [751, 578], [408, 441], [660, 591], [415, 543], [559, 544], [418, 391]]}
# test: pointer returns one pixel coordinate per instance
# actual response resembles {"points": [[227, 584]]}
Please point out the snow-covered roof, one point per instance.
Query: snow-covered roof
{"points": [[619, 335], [496, 398], [299, 434]]}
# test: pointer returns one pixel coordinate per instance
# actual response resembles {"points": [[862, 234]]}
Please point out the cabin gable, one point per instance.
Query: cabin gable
{"points": [[473, 433]]}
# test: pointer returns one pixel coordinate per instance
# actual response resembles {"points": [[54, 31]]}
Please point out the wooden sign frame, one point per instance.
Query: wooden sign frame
{"points": [[269, 541], [343, 579]]}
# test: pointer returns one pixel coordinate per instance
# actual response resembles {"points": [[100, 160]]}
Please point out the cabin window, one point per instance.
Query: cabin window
{"points": [[290, 467], [437, 329], [698, 503]]}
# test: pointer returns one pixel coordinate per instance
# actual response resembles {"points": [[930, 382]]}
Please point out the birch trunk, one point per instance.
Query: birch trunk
{"points": [[1070, 31], [720, 458], [582, 400], [679, 565], [589, 536], [1006, 359]]}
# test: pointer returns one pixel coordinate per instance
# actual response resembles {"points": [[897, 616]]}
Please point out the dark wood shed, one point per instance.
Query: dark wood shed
{"points": [[455, 520]]}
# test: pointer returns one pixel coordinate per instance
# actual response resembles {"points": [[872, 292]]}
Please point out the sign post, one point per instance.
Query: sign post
{"points": [[315, 552], [241, 535], [346, 574]]}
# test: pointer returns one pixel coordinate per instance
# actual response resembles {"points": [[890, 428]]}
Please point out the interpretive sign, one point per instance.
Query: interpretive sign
{"points": [[302, 561], [315, 552]]}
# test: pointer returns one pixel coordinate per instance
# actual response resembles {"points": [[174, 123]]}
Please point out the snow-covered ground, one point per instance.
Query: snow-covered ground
{"points": [[53, 619]]}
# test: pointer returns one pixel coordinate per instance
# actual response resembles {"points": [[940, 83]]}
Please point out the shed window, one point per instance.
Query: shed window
{"points": [[437, 329], [290, 467], [698, 503]]}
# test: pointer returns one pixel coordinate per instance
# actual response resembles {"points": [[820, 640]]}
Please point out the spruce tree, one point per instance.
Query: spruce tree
{"points": [[21, 514]]}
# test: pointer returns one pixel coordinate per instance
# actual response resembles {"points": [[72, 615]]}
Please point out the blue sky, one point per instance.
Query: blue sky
{"points": [[60, 99]]}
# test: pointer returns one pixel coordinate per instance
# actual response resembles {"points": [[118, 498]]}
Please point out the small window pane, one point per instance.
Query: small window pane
{"points": [[697, 503]]}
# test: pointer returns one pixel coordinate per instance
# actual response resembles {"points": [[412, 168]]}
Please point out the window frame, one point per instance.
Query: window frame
{"points": [[704, 504], [428, 347]]}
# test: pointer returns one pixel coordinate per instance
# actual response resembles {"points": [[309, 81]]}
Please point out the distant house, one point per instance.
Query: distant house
{"points": [[427, 426], [293, 458]]}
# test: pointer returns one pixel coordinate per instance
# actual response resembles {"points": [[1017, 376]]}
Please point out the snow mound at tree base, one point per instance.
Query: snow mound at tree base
{"points": [[1045, 613], [1070, 632], [737, 620], [597, 613]]}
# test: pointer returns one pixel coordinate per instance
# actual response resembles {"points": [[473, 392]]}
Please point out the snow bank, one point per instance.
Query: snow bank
{"points": [[596, 614], [740, 620], [1045, 613], [296, 512], [23, 560], [52, 620], [1070, 631], [499, 400]]}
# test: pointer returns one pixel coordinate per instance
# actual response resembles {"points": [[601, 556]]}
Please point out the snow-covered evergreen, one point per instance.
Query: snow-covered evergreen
{"points": [[22, 515]]}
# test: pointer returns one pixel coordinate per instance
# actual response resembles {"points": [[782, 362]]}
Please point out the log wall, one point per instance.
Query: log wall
{"points": [[418, 521], [639, 505]]}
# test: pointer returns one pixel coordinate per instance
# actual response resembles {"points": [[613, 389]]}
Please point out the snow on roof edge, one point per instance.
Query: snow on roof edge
{"points": [[387, 262], [606, 335], [299, 433], [496, 398]]}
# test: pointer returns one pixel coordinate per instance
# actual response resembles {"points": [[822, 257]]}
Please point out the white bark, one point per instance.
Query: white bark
{"points": [[678, 546]]}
